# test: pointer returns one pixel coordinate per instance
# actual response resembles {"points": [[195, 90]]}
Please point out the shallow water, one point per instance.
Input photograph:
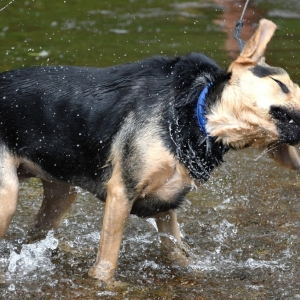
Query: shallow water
{"points": [[242, 227]]}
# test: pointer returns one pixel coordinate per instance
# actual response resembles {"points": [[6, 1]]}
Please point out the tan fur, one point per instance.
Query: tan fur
{"points": [[9, 188], [256, 46], [117, 209], [163, 176], [242, 117], [57, 197], [179, 180], [163, 173], [160, 166]]}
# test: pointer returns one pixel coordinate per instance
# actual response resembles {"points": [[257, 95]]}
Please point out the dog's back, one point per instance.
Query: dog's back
{"points": [[69, 116]]}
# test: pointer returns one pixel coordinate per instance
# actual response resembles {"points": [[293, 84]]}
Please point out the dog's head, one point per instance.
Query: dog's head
{"points": [[260, 105]]}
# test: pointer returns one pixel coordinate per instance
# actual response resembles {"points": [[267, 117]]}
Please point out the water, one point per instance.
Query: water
{"points": [[33, 256], [241, 228]]}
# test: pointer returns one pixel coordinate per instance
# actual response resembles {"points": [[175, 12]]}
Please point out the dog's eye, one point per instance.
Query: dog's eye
{"points": [[283, 87]]}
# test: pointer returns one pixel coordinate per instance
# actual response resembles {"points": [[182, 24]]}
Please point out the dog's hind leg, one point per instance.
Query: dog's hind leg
{"points": [[117, 209], [57, 200], [169, 234], [9, 188]]}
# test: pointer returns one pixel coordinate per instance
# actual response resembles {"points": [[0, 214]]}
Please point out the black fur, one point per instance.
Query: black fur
{"points": [[199, 153], [287, 121], [283, 87], [265, 71], [64, 119]]}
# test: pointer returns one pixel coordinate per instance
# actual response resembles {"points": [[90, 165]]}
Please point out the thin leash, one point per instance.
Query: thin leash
{"points": [[238, 28], [7, 5]]}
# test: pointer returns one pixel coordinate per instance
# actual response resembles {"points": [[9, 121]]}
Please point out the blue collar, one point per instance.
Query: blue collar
{"points": [[201, 108]]}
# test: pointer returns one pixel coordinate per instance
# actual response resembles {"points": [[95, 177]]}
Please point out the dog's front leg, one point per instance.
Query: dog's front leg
{"points": [[170, 237], [117, 209], [168, 228]]}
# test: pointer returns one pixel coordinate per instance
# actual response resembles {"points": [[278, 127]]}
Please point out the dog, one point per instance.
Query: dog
{"points": [[286, 156], [139, 136]]}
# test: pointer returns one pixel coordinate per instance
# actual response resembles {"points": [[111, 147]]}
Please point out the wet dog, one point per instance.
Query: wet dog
{"points": [[286, 156], [139, 136]]}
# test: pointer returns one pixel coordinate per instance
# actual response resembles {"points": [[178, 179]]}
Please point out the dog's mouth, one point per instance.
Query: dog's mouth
{"points": [[288, 124]]}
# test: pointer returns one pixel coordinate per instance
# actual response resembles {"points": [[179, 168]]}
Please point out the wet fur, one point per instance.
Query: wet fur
{"points": [[130, 117], [129, 134]]}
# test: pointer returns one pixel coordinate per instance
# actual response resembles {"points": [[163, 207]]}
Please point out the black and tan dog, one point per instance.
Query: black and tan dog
{"points": [[139, 136]]}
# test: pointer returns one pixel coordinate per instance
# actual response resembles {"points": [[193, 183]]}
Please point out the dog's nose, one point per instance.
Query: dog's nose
{"points": [[287, 121]]}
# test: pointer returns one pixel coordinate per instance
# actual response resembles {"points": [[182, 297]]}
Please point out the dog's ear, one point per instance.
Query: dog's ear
{"points": [[286, 156], [255, 48]]}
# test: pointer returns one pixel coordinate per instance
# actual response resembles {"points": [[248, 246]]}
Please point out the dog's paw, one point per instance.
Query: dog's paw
{"points": [[179, 254], [103, 271]]}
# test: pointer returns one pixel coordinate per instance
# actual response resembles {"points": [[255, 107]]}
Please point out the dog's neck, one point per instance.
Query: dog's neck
{"points": [[194, 148], [199, 152]]}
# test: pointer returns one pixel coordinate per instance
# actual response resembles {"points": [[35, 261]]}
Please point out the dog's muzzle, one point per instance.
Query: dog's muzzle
{"points": [[287, 122]]}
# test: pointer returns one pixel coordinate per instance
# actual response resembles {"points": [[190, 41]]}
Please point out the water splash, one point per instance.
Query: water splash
{"points": [[33, 257], [222, 260]]}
